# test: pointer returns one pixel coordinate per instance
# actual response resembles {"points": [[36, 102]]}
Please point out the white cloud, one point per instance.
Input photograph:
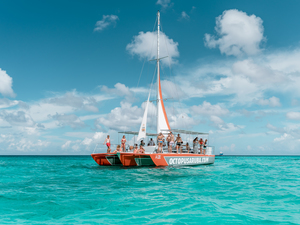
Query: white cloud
{"points": [[66, 145], [273, 102], [6, 103], [171, 90], [182, 121], [163, 3], [120, 90], [68, 120], [224, 127], [184, 15], [144, 45], [282, 138], [105, 22], [121, 118], [6, 84], [238, 33], [258, 74], [293, 115], [207, 109]]}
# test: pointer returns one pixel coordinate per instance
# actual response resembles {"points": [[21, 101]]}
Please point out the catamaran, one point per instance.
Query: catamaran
{"points": [[152, 157]]}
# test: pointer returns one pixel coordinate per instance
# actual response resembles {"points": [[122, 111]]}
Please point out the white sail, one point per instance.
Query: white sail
{"points": [[142, 131], [162, 119]]}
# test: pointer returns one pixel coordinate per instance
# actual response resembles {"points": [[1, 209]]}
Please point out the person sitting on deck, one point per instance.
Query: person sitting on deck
{"points": [[195, 145], [201, 142], [187, 146], [135, 149], [179, 143], [151, 142], [118, 149], [164, 143], [130, 148], [160, 142], [141, 150], [204, 146], [142, 143]]}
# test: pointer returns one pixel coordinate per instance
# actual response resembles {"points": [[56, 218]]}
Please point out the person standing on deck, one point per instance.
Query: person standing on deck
{"points": [[171, 141], [201, 145], [179, 143], [204, 146], [160, 142], [168, 142], [107, 142], [123, 143], [195, 145]]}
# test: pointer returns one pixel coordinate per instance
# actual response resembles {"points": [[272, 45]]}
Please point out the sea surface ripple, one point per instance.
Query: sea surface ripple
{"points": [[75, 190]]}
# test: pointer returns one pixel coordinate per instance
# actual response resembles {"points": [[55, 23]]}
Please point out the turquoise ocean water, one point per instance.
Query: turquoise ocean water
{"points": [[75, 190]]}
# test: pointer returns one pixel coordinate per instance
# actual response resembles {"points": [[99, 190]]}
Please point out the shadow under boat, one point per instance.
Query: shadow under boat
{"points": [[106, 159]]}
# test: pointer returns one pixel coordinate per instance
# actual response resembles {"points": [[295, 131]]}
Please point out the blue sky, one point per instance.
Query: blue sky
{"points": [[69, 73]]}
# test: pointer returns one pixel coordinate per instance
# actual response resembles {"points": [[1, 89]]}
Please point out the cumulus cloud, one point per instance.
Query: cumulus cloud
{"points": [[163, 3], [68, 120], [6, 103], [222, 126], [171, 90], [6, 84], [184, 15], [17, 118], [207, 109], [74, 100], [105, 22], [258, 74], [237, 33], [144, 45], [121, 118], [120, 90], [293, 115], [273, 102]]}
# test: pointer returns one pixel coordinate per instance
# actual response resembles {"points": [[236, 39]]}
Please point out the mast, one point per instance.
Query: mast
{"points": [[162, 119], [158, 74]]}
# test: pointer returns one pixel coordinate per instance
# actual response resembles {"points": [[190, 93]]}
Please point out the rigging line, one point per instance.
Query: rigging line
{"points": [[173, 78], [146, 57]]}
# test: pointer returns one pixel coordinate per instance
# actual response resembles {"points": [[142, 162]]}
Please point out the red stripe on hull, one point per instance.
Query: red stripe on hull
{"points": [[100, 158]]}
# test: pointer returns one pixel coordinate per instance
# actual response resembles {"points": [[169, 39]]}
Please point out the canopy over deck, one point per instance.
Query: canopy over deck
{"points": [[135, 133], [186, 132], [173, 130]]}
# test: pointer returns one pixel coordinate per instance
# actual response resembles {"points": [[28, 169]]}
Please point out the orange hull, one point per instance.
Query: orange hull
{"points": [[169, 159], [106, 159], [135, 159]]}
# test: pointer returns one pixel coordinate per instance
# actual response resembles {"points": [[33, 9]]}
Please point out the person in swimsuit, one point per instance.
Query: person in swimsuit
{"points": [[204, 146], [107, 142], [187, 146], [141, 150], [178, 143], [201, 142], [168, 142], [135, 149], [195, 145], [118, 149], [160, 142], [171, 141], [123, 143]]}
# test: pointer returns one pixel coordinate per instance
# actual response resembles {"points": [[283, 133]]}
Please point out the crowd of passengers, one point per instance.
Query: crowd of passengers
{"points": [[170, 142]]}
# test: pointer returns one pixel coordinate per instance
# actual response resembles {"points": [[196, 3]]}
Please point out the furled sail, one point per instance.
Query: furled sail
{"points": [[142, 131], [162, 119]]}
